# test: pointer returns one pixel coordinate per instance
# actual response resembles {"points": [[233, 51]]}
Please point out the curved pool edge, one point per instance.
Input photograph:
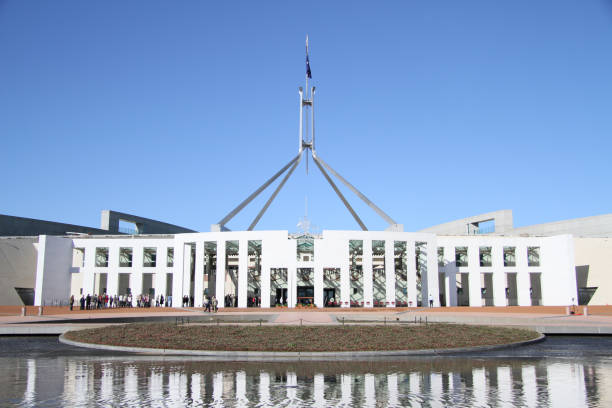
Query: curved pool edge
{"points": [[287, 355]]}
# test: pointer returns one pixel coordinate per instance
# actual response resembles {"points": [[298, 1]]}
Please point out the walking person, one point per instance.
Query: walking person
{"points": [[214, 304], [206, 304]]}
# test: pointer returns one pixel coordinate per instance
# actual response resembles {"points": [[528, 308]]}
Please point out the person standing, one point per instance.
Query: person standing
{"points": [[214, 304], [430, 300], [71, 302]]}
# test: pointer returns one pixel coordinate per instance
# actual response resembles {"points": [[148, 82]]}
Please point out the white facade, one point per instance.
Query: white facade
{"points": [[387, 269]]}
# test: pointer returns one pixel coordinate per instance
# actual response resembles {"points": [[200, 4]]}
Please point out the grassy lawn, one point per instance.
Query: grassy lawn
{"points": [[300, 338]]}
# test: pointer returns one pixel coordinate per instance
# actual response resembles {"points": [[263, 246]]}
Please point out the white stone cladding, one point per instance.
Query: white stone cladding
{"points": [[555, 272]]}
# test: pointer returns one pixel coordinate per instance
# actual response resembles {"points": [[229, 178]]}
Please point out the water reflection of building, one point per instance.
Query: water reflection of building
{"points": [[468, 382]]}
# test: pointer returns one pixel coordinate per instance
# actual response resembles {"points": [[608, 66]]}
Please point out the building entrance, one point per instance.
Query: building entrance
{"points": [[305, 295], [329, 297], [281, 296]]}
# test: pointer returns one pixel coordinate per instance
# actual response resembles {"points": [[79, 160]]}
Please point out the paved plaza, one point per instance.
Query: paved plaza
{"points": [[547, 320]]}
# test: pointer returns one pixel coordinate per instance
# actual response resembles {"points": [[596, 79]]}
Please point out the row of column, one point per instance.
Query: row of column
{"points": [[182, 275], [498, 272]]}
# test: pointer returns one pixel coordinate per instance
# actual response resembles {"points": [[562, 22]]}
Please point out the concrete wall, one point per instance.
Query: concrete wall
{"points": [[53, 277], [17, 267], [502, 219], [596, 226], [110, 222], [20, 227], [556, 267], [594, 267]]}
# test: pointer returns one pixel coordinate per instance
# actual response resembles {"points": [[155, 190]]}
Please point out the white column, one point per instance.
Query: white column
{"points": [[450, 280], [186, 269], [474, 276], [137, 270], [198, 285], [177, 274], [291, 286], [318, 285], [368, 294], [243, 265], [319, 391], [220, 274], [88, 280], [523, 283], [499, 276], [390, 272], [433, 282], [160, 281], [411, 277], [265, 273], [112, 275], [345, 280]]}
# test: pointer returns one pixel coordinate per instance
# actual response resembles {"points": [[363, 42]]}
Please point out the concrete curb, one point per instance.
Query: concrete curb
{"points": [[293, 356]]}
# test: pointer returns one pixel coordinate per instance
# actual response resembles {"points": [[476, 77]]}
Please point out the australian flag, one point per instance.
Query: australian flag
{"points": [[308, 73]]}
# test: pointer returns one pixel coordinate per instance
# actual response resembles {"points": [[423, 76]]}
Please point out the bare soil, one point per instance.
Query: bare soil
{"points": [[300, 338]]}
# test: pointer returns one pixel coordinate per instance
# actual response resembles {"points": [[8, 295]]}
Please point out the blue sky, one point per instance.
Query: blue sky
{"points": [[178, 110]]}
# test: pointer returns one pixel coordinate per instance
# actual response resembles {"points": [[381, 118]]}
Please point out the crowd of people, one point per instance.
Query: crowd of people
{"points": [[104, 301]]}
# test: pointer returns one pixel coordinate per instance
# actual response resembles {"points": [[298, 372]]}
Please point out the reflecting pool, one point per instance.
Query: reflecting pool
{"points": [[561, 372]]}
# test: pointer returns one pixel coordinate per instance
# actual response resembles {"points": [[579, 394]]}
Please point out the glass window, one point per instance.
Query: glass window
{"points": [[440, 256], [170, 257], [461, 256], [533, 256], [485, 256], [509, 256], [149, 257], [125, 257], [102, 257], [305, 249]]}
